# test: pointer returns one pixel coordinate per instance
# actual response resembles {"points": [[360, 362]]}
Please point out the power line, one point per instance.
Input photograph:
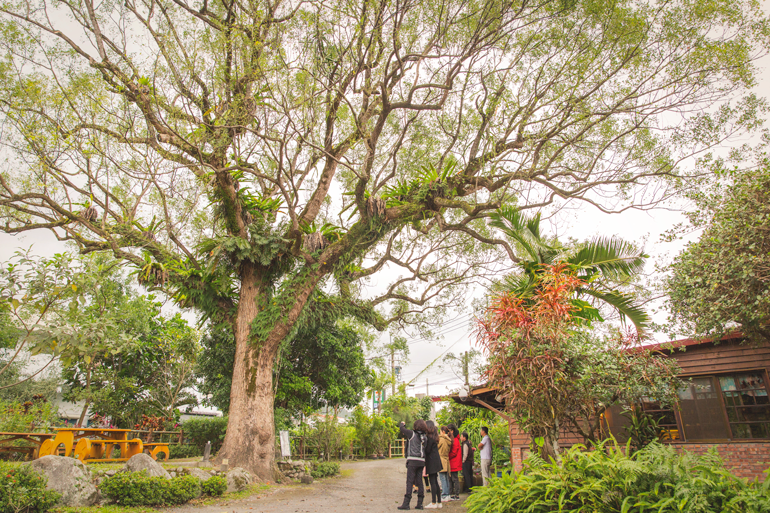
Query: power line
{"points": [[444, 329]]}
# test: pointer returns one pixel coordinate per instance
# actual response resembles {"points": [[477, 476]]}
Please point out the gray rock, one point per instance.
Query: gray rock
{"points": [[70, 477], [200, 474], [172, 474], [238, 479], [144, 462], [110, 473], [306, 479]]}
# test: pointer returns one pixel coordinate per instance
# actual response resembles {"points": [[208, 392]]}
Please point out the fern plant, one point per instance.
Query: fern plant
{"points": [[608, 480]]}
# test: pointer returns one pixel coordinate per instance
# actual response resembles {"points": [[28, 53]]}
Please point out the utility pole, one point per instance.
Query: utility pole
{"points": [[393, 370], [427, 392], [465, 370]]}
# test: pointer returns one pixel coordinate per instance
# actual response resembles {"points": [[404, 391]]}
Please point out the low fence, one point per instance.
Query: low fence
{"points": [[148, 436], [306, 448]]}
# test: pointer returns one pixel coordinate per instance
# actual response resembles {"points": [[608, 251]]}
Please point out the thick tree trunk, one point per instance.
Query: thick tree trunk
{"points": [[250, 438]]}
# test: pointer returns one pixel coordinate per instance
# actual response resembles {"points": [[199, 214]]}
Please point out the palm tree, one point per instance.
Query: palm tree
{"points": [[601, 263]]}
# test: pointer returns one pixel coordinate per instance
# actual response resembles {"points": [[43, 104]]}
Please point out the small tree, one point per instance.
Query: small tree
{"points": [[551, 374]]}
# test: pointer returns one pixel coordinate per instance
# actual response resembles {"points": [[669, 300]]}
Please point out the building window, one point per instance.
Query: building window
{"points": [[746, 401], [665, 416], [701, 411]]}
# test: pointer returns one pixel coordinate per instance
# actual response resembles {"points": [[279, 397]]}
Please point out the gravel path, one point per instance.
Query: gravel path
{"points": [[375, 486]]}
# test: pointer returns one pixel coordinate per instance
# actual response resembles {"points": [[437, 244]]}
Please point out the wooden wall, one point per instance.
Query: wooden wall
{"points": [[727, 356]]}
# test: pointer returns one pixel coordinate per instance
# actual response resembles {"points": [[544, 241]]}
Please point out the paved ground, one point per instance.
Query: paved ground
{"points": [[371, 486]]}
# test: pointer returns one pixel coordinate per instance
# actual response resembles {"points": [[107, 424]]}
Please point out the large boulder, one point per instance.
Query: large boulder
{"points": [[144, 462], [70, 477], [238, 479], [196, 472]]}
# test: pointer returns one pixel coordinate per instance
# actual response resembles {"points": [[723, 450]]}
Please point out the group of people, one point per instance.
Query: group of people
{"points": [[433, 454]]}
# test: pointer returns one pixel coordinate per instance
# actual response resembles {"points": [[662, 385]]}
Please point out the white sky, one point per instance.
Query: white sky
{"points": [[581, 223]]}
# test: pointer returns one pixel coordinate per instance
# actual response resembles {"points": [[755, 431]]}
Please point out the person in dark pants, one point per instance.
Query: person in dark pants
{"points": [[415, 461], [455, 463], [433, 465], [467, 463]]}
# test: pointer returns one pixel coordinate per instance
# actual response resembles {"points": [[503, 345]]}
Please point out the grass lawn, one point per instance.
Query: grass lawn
{"points": [[254, 489]]}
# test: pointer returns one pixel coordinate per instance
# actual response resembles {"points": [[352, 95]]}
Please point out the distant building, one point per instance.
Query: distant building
{"points": [[199, 414]]}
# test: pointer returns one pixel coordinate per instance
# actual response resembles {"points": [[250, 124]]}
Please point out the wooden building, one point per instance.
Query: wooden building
{"points": [[724, 405]]}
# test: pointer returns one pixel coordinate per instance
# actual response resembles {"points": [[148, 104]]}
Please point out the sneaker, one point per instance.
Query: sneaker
{"points": [[431, 506], [439, 506]]}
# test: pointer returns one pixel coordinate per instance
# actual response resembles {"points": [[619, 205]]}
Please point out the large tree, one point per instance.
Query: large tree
{"points": [[244, 154]]}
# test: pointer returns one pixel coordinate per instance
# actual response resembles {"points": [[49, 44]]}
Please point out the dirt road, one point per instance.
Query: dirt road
{"points": [[370, 486]]}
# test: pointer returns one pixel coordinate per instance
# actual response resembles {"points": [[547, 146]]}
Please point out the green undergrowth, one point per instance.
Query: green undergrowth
{"points": [[106, 509], [254, 489], [606, 480]]}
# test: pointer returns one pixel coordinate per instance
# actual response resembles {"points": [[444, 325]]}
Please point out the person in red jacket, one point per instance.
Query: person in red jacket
{"points": [[455, 462]]}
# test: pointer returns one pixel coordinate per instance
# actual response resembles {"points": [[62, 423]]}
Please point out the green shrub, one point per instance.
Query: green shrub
{"points": [[181, 489], [184, 451], [29, 416], [139, 489], [325, 469], [22, 490], [200, 431], [215, 486], [605, 480]]}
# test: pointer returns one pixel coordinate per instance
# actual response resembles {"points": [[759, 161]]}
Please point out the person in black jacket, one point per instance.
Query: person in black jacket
{"points": [[433, 465], [467, 462], [415, 461]]}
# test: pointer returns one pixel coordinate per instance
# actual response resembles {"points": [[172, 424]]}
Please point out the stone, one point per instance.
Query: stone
{"points": [[70, 477], [306, 479], [200, 474], [207, 452], [238, 479], [110, 473], [172, 474], [144, 462]]}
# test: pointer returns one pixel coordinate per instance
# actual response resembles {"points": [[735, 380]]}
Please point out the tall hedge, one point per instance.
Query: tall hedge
{"points": [[200, 431]]}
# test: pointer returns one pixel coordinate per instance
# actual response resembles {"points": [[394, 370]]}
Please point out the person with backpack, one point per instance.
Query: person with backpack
{"points": [[486, 454], [415, 461]]}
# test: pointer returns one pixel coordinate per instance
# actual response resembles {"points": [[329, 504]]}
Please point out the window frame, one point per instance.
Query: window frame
{"points": [[714, 377]]}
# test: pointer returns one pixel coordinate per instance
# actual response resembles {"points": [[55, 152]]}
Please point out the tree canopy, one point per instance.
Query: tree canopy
{"points": [[115, 349], [722, 281], [242, 155]]}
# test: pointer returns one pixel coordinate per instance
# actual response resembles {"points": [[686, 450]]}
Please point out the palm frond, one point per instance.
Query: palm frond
{"points": [[520, 284], [624, 304], [614, 257], [523, 229]]}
